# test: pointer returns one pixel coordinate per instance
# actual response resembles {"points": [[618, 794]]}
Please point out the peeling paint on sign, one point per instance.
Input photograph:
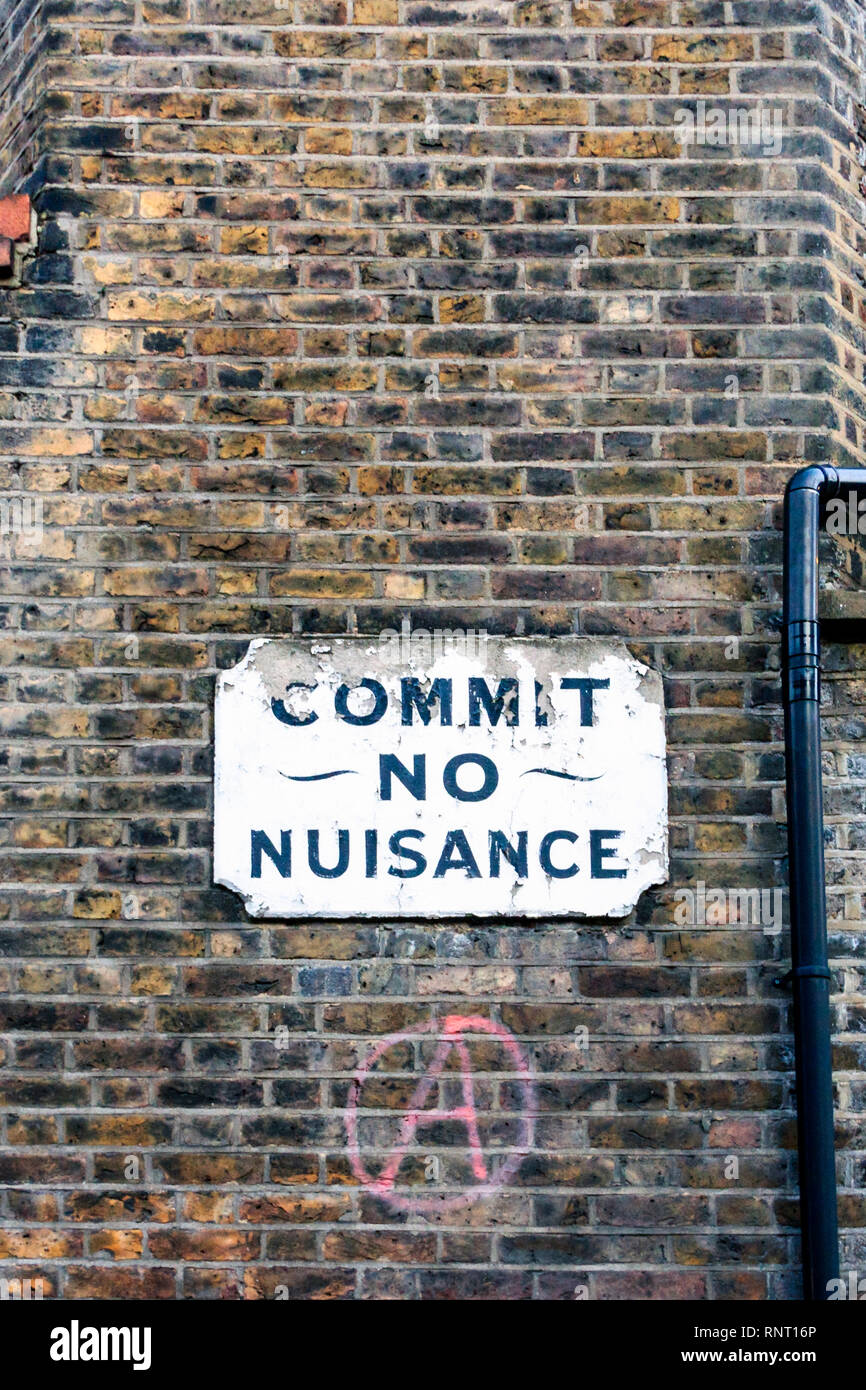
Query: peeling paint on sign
{"points": [[527, 779]]}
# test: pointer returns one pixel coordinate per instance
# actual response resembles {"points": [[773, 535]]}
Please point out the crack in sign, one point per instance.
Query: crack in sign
{"points": [[451, 1034]]}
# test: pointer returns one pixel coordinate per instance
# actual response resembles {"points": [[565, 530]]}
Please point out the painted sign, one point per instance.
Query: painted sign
{"points": [[509, 777]]}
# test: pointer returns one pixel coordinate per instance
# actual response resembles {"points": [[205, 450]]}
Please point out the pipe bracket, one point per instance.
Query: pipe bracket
{"points": [[802, 972]]}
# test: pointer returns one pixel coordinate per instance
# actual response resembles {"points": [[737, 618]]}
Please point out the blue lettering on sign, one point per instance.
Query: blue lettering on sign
{"points": [[474, 777], [556, 854], [418, 705]]}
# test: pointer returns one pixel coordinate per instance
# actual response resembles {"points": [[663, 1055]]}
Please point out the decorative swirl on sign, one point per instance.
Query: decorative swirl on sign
{"points": [[554, 772], [321, 776]]}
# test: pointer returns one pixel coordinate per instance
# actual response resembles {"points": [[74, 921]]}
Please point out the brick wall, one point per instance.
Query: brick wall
{"points": [[22, 47], [346, 311]]}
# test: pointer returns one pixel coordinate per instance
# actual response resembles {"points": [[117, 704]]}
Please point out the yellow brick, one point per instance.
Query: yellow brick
{"points": [[58, 442], [96, 341], [540, 111], [161, 308], [375, 12], [322, 584], [626, 144], [406, 586], [326, 141], [244, 240], [618, 210], [29, 834], [232, 581], [156, 203], [153, 979], [478, 78], [703, 48], [461, 308]]}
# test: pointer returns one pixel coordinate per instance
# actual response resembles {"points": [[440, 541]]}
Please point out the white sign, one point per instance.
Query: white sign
{"points": [[501, 777]]}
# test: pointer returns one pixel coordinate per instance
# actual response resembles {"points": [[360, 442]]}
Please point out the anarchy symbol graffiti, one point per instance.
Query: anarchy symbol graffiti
{"points": [[454, 1036]]}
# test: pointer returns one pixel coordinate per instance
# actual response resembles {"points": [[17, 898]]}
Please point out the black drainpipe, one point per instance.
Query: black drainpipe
{"points": [[805, 498]]}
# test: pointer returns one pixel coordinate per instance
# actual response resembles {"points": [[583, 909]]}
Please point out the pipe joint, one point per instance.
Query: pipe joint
{"points": [[822, 478], [802, 662], [803, 642]]}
